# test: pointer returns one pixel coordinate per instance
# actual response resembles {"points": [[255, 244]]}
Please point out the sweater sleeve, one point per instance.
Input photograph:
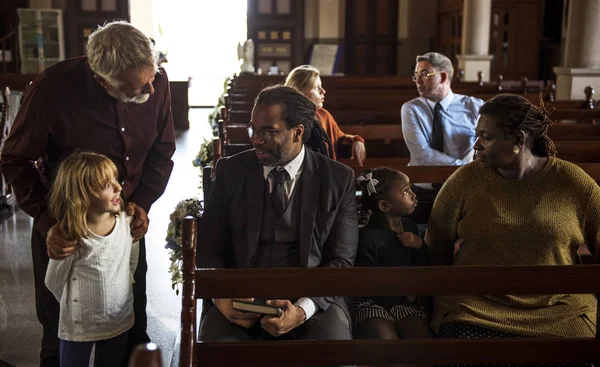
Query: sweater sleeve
{"points": [[57, 275], [442, 229], [419, 256], [591, 223], [336, 133], [366, 254]]}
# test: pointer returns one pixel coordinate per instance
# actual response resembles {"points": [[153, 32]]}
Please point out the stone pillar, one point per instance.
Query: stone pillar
{"points": [[475, 40], [582, 51]]}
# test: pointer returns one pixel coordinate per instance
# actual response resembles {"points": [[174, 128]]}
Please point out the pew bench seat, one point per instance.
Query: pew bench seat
{"points": [[445, 280]]}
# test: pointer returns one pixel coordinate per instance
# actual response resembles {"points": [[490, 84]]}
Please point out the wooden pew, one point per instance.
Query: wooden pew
{"points": [[16, 81], [450, 280], [334, 83], [436, 174], [146, 355], [574, 142], [363, 111]]}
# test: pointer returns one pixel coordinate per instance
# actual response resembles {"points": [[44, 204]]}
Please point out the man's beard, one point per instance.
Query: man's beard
{"points": [[139, 99], [278, 155]]}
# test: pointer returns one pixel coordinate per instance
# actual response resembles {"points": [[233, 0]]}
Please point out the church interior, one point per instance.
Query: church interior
{"points": [[547, 51]]}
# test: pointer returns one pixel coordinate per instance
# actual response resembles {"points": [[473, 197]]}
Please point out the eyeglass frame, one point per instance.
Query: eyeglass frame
{"points": [[266, 135], [425, 75]]}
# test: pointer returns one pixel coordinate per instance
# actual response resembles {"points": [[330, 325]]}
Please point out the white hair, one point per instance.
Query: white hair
{"points": [[118, 46], [438, 61]]}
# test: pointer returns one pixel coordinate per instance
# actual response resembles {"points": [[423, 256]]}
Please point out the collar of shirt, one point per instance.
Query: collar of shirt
{"points": [[292, 167], [445, 102]]}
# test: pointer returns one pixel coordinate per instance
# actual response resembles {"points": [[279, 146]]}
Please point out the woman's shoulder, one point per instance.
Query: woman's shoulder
{"points": [[574, 175], [324, 114], [470, 172]]}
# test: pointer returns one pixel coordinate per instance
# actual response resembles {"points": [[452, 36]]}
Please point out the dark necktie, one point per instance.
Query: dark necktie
{"points": [[278, 193], [437, 131]]}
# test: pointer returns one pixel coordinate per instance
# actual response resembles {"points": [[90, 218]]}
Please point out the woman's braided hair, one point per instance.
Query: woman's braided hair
{"points": [[514, 113]]}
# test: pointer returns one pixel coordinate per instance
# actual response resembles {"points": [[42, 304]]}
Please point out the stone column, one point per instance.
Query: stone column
{"points": [[475, 40], [582, 51]]}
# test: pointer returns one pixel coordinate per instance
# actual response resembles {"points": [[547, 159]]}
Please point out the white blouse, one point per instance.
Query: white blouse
{"points": [[95, 285]]}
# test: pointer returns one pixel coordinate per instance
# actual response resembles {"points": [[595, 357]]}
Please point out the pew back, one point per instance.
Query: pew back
{"points": [[455, 280]]}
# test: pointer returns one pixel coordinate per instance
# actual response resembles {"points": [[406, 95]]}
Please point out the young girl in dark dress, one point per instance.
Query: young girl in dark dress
{"points": [[388, 238]]}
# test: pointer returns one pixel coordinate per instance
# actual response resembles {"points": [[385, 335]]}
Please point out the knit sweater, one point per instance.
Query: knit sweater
{"points": [[333, 131], [540, 220]]}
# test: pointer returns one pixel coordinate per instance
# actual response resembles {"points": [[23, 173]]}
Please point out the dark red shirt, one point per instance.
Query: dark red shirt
{"points": [[65, 110]]}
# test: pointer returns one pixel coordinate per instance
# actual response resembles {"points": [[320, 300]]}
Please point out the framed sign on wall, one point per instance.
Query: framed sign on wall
{"points": [[326, 58]]}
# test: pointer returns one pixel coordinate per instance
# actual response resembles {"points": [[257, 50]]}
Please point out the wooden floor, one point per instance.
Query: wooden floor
{"points": [[20, 331]]}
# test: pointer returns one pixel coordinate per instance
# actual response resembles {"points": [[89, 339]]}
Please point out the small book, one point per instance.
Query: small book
{"points": [[257, 307]]}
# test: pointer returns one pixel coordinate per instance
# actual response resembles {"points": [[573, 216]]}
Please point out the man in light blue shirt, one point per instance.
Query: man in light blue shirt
{"points": [[439, 126]]}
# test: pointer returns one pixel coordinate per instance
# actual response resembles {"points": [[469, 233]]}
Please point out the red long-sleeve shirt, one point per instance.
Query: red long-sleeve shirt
{"points": [[335, 134], [65, 110]]}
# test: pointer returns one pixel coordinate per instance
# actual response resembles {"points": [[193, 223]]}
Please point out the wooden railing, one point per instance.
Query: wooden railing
{"points": [[451, 280]]}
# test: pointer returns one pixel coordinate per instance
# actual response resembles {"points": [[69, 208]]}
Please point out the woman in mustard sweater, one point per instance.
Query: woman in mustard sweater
{"points": [[515, 205], [326, 137]]}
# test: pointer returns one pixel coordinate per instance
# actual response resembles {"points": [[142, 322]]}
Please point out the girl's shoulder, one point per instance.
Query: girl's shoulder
{"points": [[124, 220], [374, 235], [410, 225]]}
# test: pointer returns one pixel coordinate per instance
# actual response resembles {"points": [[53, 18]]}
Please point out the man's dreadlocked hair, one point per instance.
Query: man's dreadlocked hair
{"points": [[514, 113], [369, 204], [295, 108]]}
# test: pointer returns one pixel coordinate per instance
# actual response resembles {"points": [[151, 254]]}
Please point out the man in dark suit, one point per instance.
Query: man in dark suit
{"points": [[279, 205]]}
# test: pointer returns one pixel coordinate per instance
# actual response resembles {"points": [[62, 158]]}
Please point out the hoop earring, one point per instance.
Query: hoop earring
{"points": [[516, 149]]}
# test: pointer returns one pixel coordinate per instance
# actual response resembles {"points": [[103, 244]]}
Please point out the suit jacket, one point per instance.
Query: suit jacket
{"points": [[231, 224]]}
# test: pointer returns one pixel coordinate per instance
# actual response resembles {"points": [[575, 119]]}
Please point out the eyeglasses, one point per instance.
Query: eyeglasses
{"points": [[424, 75], [265, 135]]}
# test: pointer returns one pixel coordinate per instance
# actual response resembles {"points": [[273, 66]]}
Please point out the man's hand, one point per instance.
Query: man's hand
{"points": [[58, 248], [139, 225], [409, 239], [359, 152], [293, 316], [243, 319]]}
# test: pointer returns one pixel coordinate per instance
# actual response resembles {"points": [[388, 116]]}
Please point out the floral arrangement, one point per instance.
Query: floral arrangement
{"points": [[215, 116], [189, 207], [205, 155]]}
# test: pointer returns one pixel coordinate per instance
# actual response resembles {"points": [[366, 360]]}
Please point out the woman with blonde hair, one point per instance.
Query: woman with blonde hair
{"points": [[325, 138], [94, 286]]}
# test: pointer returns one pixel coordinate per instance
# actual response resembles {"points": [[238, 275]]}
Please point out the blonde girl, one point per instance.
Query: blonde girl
{"points": [[94, 285]]}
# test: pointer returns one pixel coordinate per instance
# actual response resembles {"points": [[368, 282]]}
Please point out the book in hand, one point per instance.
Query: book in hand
{"points": [[256, 307]]}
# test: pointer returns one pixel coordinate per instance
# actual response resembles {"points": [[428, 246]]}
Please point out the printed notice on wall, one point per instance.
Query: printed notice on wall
{"points": [[325, 58]]}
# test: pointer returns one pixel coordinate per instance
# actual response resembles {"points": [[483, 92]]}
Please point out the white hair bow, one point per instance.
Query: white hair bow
{"points": [[371, 182]]}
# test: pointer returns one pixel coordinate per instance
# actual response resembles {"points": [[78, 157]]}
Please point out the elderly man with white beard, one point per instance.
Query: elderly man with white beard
{"points": [[114, 101]]}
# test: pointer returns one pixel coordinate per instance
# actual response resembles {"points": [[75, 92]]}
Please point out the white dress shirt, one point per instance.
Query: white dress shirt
{"points": [[294, 170], [95, 285], [459, 116]]}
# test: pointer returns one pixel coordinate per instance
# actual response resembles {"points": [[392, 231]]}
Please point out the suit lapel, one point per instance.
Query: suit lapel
{"points": [[310, 185], [255, 187]]}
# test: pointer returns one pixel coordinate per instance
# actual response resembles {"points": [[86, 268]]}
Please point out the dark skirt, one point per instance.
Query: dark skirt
{"points": [[461, 330], [368, 309]]}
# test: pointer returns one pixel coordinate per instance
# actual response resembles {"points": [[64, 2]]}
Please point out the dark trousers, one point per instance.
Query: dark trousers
{"points": [[108, 353], [332, 324], [48, 308]]}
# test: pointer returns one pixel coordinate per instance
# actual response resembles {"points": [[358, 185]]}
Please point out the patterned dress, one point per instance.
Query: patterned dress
{"points": [[380, 247]]}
